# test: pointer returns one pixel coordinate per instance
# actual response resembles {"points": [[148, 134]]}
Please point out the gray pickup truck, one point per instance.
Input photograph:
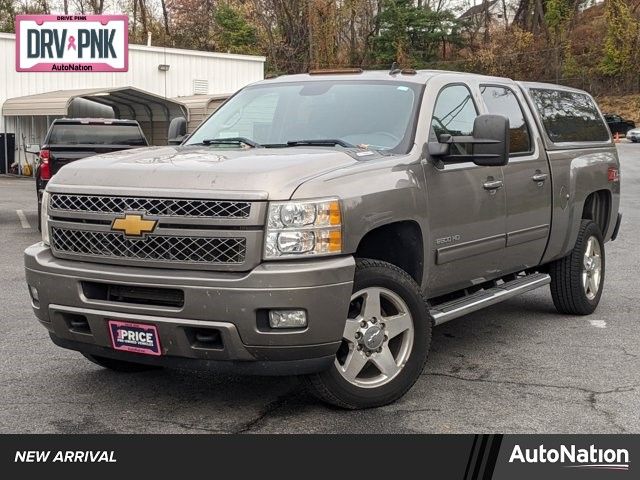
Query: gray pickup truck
{"points": [[322, 224]]}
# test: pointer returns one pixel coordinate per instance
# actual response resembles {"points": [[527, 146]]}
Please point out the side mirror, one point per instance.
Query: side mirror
{"points": [[496, 128], [177, 131], [489, 143], [33, 148]]}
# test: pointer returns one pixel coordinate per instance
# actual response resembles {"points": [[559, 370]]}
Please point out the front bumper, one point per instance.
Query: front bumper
{"points": [[231, 304]]}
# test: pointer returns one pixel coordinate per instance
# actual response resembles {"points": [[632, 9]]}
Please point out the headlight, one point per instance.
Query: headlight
{"points": [[44, 218], [312, 227]]}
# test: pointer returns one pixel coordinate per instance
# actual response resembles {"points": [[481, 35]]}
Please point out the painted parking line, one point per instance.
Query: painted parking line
{"points": [[23, 219], [598, 323]]}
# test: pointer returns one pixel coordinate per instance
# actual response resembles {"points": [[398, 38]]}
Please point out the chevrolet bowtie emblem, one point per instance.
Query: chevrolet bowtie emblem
{"points": [[133, 225]]}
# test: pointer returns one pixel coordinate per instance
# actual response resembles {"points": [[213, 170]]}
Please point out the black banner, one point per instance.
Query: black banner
{"points": [[464, 457]]}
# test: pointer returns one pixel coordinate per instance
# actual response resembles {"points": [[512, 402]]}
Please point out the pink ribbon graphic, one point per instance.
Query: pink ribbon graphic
{"points": [[72, 43]]}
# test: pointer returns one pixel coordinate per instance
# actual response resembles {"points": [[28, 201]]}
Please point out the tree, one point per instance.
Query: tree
{"points": [[530, 16], [620, 41], [412, 35], [232, 31], [580, 43], [286, 28], [558, 14], [96, 6], [191, 24], [7, 16]]}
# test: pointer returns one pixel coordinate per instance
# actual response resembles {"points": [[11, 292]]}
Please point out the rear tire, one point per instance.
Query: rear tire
{"points": [[577, 280], [382, 354], [119, 365]]}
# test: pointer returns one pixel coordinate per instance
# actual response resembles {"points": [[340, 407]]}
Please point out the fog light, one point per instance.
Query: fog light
{"points": [[287, 318], [33, 291]]}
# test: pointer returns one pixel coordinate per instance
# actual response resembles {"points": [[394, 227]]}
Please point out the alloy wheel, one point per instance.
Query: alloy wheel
{"points": [[377, 339], [592, 268]]}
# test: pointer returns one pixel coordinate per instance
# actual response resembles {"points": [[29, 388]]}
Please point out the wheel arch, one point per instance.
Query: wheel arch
{"points": [[584, 187], [597, 207], [398, 243]]}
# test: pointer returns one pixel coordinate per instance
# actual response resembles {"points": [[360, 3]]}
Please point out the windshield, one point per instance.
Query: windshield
{"points": [[376, 115], [96, 134]]}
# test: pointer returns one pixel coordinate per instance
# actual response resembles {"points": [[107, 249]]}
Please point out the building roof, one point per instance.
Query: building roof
{"points": [[477, 9], [127, 102]]}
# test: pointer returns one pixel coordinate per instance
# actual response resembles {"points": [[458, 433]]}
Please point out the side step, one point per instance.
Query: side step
{"points": [[456, 308]]}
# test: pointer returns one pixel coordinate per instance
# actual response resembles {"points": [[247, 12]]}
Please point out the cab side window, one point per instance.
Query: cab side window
{"points": [[454, 112], [502, 101]]}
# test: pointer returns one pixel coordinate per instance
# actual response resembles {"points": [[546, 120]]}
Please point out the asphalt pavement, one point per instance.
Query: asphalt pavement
{"points": [[517, 367]]}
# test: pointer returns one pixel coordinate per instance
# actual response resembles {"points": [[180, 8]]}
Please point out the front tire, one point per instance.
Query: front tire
{"points": [[119, 365], [577, 280], [385, 341]]}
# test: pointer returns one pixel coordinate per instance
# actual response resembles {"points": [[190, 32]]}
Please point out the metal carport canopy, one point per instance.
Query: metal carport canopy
{"points": [[127, 102], [200, 107]]}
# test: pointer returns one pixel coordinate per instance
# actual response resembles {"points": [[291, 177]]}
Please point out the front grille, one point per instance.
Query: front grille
{"points": [[172, 249], [166, 207]]}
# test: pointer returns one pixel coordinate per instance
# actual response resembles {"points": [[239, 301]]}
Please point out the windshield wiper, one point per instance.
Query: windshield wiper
{"points": [[329, 142], [231, 141], [321, 142]]}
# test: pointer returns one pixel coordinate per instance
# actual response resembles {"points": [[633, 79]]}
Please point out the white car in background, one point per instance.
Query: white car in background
{"points": [[634, 135]]}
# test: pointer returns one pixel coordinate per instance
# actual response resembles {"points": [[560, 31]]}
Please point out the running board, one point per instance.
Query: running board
{"points": [[456, 308]]}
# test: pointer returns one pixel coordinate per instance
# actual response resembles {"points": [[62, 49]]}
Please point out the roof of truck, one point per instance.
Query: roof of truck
{"points": [[406, 75], [101, 121], [549, 86]]}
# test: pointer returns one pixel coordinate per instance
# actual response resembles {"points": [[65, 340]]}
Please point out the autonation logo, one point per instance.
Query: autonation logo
{"points": [[574, 457]]}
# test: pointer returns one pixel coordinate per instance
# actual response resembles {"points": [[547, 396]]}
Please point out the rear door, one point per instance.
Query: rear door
{"points": [[466, 202], [527, 180]]}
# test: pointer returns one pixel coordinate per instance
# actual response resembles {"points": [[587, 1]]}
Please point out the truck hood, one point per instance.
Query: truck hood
{"points": [[257, 174]]}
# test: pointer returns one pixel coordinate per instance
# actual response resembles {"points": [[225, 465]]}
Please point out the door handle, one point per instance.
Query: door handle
{"points": [[539, 177], [492, 184]]}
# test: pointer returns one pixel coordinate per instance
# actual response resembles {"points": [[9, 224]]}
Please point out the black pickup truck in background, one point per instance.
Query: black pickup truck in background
{"points": [[618, 125], [70, 139]]}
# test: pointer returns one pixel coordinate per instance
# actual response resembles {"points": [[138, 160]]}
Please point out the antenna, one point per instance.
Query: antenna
{"points": [[395, 69]]}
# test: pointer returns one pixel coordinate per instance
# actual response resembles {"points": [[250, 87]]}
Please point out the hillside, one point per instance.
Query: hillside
{"points": [[628, 106]]}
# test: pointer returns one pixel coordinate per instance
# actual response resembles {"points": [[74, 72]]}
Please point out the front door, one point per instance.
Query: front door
{"points": [[466, 204], [527, 182]]}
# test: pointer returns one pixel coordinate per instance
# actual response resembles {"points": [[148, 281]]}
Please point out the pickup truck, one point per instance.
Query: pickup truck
{"points": [[323, 224], [70, 139], [618, 125]]}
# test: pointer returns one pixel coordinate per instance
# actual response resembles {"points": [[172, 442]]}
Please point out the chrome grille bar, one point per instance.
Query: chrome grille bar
{"points": [[165, 207]]}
